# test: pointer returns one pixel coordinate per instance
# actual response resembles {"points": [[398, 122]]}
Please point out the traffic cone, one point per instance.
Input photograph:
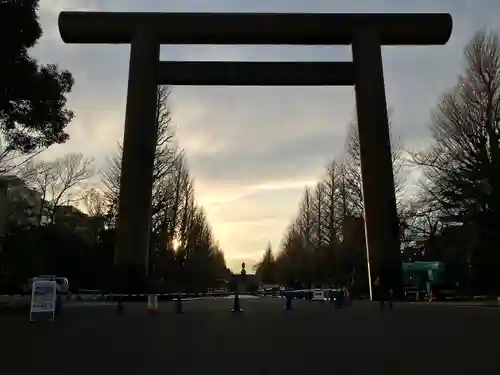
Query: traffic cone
{"points": [[236, 304], [153, 304]]}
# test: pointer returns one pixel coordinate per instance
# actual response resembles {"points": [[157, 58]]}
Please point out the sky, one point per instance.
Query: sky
{"points": [[252, 150]]}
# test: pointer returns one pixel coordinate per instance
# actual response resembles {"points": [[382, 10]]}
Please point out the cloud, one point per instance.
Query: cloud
{"points": [[241, 142]]}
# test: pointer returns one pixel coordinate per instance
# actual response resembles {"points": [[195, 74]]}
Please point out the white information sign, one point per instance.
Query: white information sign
{"points": [[318, 295], [43, 300]]}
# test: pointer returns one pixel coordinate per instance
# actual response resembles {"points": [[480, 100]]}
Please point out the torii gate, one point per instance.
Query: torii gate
{"points": [[147, 31]]}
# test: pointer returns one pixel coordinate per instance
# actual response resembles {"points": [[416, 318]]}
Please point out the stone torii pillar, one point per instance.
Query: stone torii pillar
{"points": [[365, 32]]}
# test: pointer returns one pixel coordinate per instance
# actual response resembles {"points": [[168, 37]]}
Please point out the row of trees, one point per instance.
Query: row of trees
{"points": [[183, 252], [183, 249], [59, 216], [453, 218]]}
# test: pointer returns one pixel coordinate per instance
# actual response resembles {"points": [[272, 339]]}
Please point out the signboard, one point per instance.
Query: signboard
{"points": [[318, 295], [43, 300]]}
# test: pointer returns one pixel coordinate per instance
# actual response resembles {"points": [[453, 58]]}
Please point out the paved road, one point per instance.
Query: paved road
{"points": [[264, 339]]}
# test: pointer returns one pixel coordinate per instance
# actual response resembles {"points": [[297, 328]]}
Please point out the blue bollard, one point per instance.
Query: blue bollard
{"points": [[58, 304], [288, 302], [339, 299], [120, 308], [178, 305]]}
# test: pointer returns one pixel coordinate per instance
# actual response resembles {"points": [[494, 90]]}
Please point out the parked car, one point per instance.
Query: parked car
{"points": [[62, 283]]}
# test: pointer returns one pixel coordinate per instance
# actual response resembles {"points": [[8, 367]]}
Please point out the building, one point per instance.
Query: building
{"points": [[24, 206], [20, 204], [78, 222]]}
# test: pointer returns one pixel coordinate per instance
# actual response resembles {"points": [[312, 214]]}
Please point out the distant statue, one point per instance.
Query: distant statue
{"points": [[243, 271]]}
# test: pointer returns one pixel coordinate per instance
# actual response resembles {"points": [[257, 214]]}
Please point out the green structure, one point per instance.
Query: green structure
{"points": [[416, 274]]}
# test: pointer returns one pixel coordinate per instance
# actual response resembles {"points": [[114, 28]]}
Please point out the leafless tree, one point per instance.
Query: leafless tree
{"points": [[94, 202], [13, 162], [58, 180], [317, 235], [462, 166], [265, 269], [179, 227], [164, 161], [352, 170]]}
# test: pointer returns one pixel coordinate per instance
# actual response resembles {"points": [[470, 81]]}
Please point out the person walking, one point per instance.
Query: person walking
{"points": [[390, 296], [383, 293], [378, 291], [428, 287]]}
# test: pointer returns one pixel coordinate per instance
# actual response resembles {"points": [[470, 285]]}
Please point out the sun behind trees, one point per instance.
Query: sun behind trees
{"points": [[183, 252], [43, 229], [454, 218], [70, 231]]}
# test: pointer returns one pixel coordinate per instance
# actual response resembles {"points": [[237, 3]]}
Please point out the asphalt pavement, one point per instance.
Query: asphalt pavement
{"points": [[315, 338]]}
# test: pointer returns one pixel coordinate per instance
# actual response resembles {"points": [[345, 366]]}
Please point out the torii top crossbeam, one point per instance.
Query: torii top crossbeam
{"points": [[255, 28]]}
